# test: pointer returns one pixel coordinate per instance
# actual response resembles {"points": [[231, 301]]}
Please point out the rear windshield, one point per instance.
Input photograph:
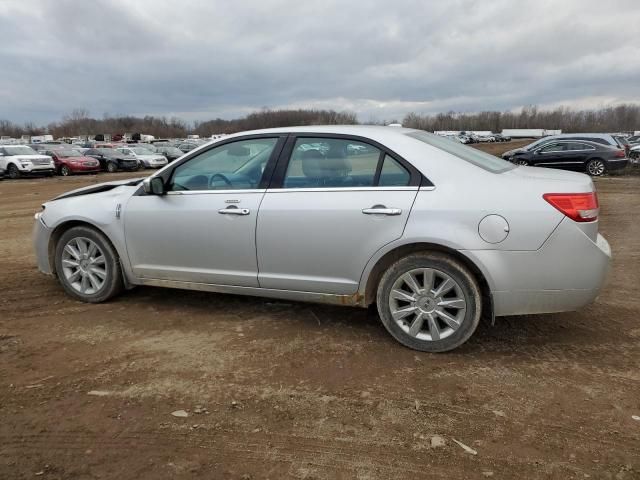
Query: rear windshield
{"points": [[469, 154]]}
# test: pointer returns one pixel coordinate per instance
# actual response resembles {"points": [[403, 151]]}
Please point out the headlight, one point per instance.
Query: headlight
{"points": [[25, 164]]}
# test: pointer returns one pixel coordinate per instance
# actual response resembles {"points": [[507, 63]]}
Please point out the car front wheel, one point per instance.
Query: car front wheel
{"points": [[87, 265], [429, 302], [64, 171], [111, 167], [13, 171]]}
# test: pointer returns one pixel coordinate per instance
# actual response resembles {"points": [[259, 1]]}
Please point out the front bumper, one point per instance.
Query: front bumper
{"points": [[565, 274], [41, 237], [36, 169]]}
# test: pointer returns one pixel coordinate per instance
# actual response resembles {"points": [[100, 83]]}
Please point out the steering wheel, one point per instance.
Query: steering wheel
{"points": [[219, 175]]}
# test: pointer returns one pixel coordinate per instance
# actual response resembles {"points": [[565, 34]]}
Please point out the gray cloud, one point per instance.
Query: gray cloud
{"points": [[381, 59]]}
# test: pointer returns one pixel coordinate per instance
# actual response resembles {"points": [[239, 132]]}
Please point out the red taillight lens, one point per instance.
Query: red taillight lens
{"points": [[580, 207], [620, 154]]}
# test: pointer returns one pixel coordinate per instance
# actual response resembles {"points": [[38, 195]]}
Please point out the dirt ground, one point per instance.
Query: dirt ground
{"points": [[290, 390]]}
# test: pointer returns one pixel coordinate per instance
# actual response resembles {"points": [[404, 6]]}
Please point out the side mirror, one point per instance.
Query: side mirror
{"points": [[153, 186]]}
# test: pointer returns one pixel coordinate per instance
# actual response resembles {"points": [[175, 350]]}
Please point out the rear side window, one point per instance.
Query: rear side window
{"points": [[393, 174], [330, 163], [579, 146], [472, 155]]}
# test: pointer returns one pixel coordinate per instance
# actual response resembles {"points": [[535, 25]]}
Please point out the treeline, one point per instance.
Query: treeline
{"points": [[79, 122], [620, 118]]}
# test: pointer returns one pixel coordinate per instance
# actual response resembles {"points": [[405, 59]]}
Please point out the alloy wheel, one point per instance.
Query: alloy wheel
{"points": [[595, 168], [522, 162], [64, 171], [13, 172], [427, 304], [84, 265]]}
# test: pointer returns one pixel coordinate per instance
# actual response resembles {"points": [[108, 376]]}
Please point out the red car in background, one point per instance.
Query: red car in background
{"points": [[70, 161]]}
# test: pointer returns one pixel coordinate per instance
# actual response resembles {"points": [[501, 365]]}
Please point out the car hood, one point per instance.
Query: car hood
{"points": [[100, 187], [80, 159], [635, 148], [510, 153], [154, 156]]}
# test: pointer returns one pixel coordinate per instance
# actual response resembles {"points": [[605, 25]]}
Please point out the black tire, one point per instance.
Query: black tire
{"points": [[13, 172], [111, 167], [64, 171], [521, 161], [596, 167], [468, 287], [113, 283]]}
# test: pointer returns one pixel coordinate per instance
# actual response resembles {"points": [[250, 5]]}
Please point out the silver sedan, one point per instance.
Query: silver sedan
{"points": [[435, 233]]}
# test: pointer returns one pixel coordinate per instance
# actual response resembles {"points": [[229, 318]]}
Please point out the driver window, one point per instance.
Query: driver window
{"points": [[554, 147], [232, 166]]}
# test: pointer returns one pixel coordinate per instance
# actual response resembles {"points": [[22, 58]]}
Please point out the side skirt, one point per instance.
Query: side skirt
{"points": [[355, 300]]}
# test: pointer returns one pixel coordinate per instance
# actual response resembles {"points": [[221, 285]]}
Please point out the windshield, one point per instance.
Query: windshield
{"points": [[469, 154], [141, 151], [68, 153], [108, 152], [20, 150], [172, 150]]}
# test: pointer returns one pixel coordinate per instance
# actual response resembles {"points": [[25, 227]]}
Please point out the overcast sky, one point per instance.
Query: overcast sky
{"points": [[201, 59]]}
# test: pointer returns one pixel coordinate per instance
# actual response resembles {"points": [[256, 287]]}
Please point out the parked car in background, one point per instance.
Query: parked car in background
{"points": [[187, 147], [501, 138], [580, 155], [112, 160], [68, 161], [146, 158], [22, 160], [434, 233], [171, 153], [602, 138], [634, 140]]}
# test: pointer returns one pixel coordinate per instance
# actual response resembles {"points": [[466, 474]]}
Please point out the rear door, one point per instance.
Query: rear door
{"points": [[334, 201]]}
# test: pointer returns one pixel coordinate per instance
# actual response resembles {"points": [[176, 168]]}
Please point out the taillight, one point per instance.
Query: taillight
{"points": [[620, 154], [580, 207]]}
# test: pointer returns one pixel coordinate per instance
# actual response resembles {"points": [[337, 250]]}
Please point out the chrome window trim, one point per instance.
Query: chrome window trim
{"points": [[212, 192], [346, 189]]}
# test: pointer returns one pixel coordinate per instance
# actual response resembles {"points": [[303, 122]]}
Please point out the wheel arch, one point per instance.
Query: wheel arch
{"points": [[375, 274], [61, 228]]}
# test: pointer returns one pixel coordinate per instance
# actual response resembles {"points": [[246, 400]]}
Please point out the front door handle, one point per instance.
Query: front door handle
{"points": [[381, 210], [234, 211]]}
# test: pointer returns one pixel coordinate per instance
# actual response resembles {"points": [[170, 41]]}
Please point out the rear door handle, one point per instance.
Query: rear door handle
{"points": [[234, 211], [381, 210]]}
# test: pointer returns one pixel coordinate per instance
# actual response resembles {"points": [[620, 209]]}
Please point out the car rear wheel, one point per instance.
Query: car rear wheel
{"points": [[13, 171], [429, 302], [87, 265], [111, 167], [596, 167], [64, 171]]}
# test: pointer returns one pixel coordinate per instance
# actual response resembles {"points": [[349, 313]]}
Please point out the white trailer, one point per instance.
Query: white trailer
{"points": [[41, 138], [524, 132]]}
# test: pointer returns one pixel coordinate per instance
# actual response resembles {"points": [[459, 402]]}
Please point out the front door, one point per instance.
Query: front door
{"points": [[336, 202], [203, 229]]}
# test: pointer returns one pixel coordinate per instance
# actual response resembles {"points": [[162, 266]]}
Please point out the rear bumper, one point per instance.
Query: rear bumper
{"points": [[617, 164], [565, 274]]}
